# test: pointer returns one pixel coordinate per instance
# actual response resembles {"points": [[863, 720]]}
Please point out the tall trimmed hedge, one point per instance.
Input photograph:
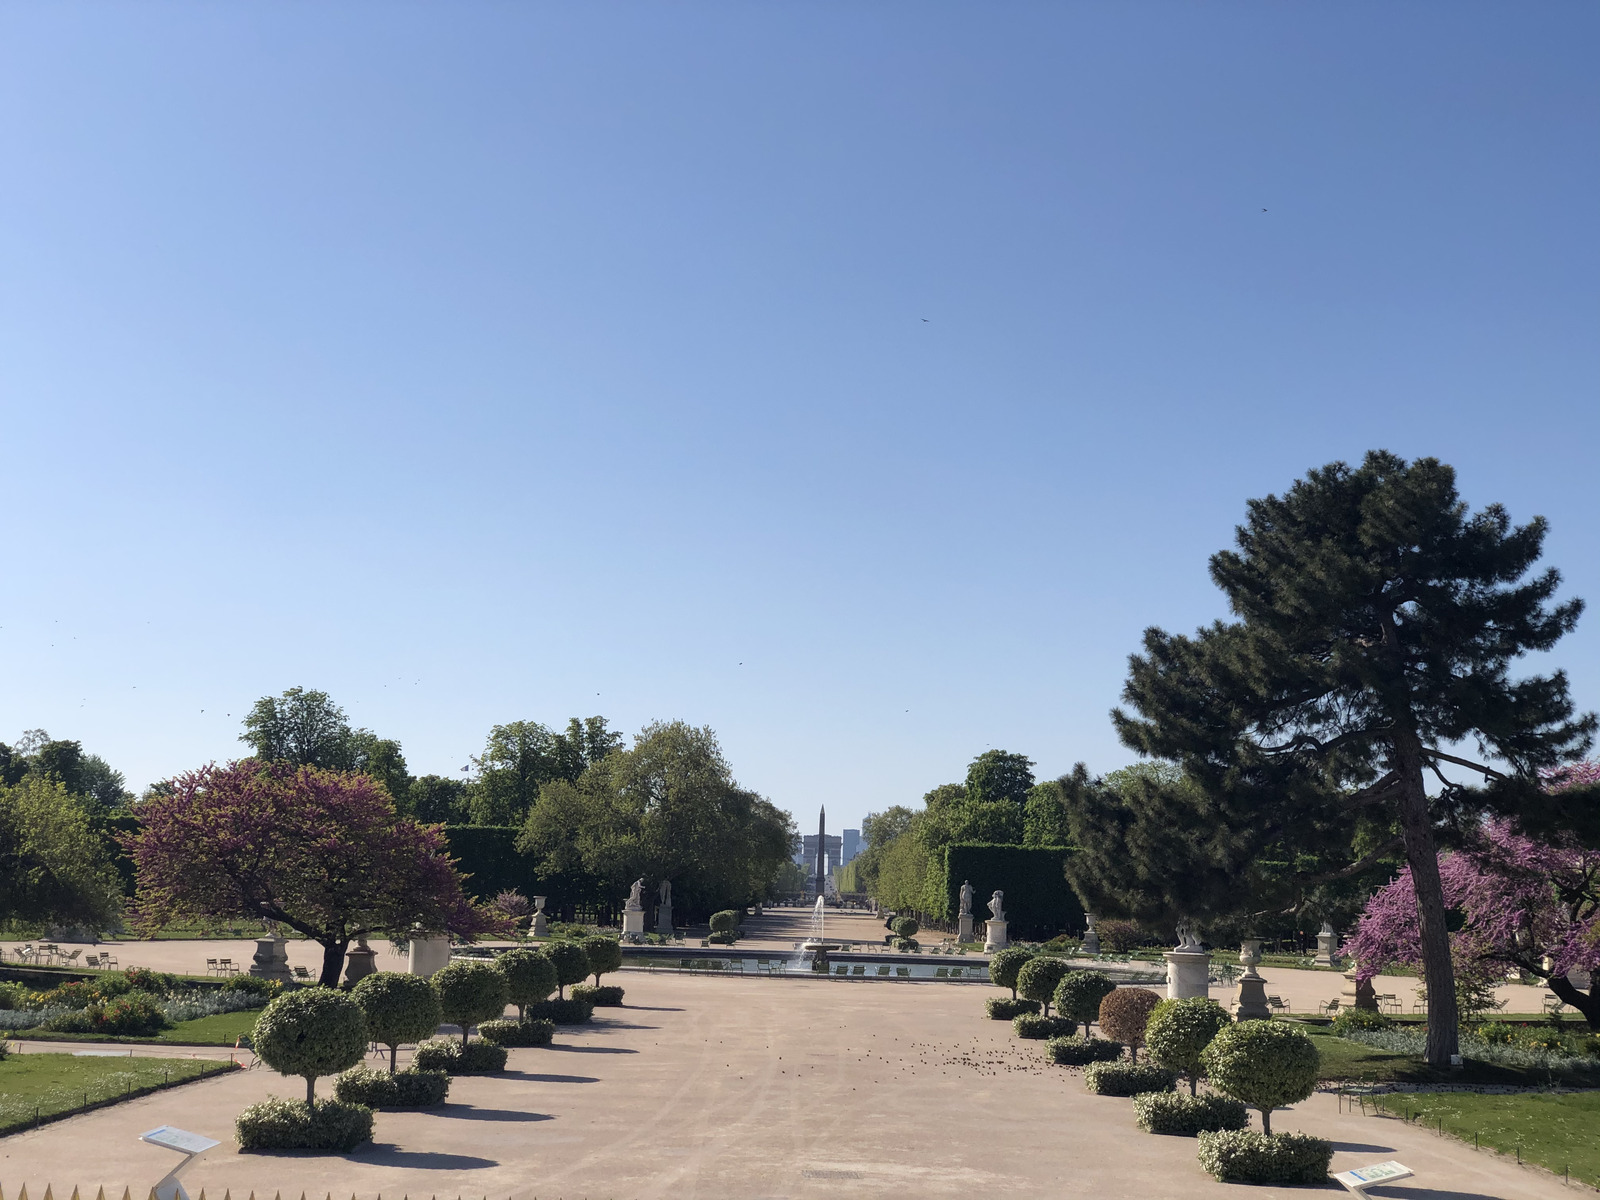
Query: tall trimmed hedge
{"points": [[1039, 901], [488, 857]]}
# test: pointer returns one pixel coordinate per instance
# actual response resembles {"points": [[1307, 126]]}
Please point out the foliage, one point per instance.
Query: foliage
{"points": [[1079, 993], [605, 955], [398, 1008], [1044, 817], [1006, 1008], [530, 976], [53, 867], [1080, 1051], [1038, 902], [454, 1058], [725, 921], [1127, 1078], [726, 937], [512, 903], [194, 1005], [1188, 1115], [1124, 1014], [907, 945], [1377, 621], [596, 996], [133, 1015], [573, 1011], [1179, 1030], [392, 1089], [571, 962], [470, 992], [906, 927], [1006, 965], [1528, 905], [306, 728], [437, 800], [311, 1032], [1120, 936], [1036, 1027], [320, 851], [1244, 1156], [279, 1124], [1038, 979], [1266, 1064], [1351, 1019], [489, 862], [517, 1033]]}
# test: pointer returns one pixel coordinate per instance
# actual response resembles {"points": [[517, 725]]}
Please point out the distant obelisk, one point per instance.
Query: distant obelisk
{"points": [[822, 852]]}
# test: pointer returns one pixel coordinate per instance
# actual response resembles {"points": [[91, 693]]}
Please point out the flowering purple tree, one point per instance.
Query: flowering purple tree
{"points": [[1527, 904]]}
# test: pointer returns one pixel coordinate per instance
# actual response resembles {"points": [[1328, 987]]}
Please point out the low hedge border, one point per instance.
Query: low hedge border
{"points": [[404, 1089], [1244, 1156], [562, 1012], [1081, 1051], [451, 1057], [1185, 1115], [1127, 1078], [1031, 1025], [602, 996], [280, 1124], [1004, 1008], [517, 1033]]}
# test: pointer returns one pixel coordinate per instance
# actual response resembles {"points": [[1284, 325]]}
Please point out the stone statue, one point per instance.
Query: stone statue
{"points": [[666, 892], [966, 899], [636, 896], [1187, 942], [997, 905]]}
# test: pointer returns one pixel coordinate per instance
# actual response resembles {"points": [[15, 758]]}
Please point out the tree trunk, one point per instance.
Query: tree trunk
{"points": [[311, 1089], [332, 962], [1266, 1121], [1422, 855], [1588, 1003]]}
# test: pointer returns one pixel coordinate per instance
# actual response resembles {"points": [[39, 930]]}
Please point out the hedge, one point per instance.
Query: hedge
{"points": [[1081, 1051], [518, 1033], [605, 996], [1030, 1025], [1127, 1078], [450, 1056], [1244, 1156], [487, 856], [280, 1124], [1185, 1115], [562, 1012], [1004, 1008], [1039, 901], [403, 1089]]}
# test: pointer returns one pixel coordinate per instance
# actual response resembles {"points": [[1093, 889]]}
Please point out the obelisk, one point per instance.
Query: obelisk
{"points": [[822, 852]]}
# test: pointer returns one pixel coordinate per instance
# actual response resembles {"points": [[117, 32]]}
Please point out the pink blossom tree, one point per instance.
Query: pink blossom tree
{"points": [[1525, 904], [323, 852]]}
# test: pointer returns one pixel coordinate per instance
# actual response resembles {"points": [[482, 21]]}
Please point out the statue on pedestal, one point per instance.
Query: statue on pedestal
{"points": [[636, 896], [664, 908], [541, 923], [1091, 939], [995, 937], [997, 906], [964, 917], [633, 913], [966, 898]]}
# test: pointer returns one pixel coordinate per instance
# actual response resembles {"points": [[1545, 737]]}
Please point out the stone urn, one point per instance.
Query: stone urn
{"points": [[541, 924], [1252, 1002]]}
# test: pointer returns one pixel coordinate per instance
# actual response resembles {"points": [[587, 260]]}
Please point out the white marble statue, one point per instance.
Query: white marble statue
{"points": [[966, 899], [636, 896], [997, 906]]}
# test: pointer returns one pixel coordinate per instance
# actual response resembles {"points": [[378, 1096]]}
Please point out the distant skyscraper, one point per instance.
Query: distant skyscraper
{"points": [[851, 845]]}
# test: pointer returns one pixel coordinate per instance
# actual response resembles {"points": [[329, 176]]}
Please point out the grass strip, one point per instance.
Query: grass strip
{"points": [[1555, 1130], [36, 1089], [222, 1029]]}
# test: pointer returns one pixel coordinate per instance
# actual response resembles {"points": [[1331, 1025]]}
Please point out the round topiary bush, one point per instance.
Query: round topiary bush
{"points": [[1038, 979], [279, 1124], [1081, 1051], [1124, 1013], [470, 992], [1035, 1027], [1003, 1008], [725, 921], [1244, 1156], [398, 1008], [1177, 1032], [1186, 1116], [906, 927], [450, 1056], [385, 1089], [1079, 993], [517, 1033], [571, 962], [1350, 1020], [530, 976], [311, 1032], [907, 945], [1006, 965], [1127, 1078], [605, 955], [1266, 1064]]}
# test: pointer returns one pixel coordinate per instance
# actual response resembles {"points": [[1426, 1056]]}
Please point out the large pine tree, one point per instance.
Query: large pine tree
{"points": [[1376, 621]]}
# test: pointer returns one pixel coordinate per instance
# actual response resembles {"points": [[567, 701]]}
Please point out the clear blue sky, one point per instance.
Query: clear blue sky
{"points": [[857, 379]]}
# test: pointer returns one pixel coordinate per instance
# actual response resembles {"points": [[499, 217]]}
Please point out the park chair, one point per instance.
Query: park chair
{"points": [[883, 970], [942, 973], [225, 967], [1419, 1005], [858, 969], [1553, 1004], [91, 961], [108, 960], [842, 969], [302, 973], [211, 966], [1330, 1008], [1388, 1002], [902, 972], [71, 958], [1276, 1004], [685, 964]]}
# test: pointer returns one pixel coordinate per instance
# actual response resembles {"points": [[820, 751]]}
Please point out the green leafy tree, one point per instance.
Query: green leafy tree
{"points": [[1044, 817], [530, 977], [571, 962], [311, 1032], [581, 745], [398, 1008], [1376, 623], [605, 955], [1179, 1031], [470, 992], [436, 800], [1038, 979], [53, 867], [517, 760], [999, 776], [1265, 1064], [302, 726], [1006, 965], [1078, 996]]}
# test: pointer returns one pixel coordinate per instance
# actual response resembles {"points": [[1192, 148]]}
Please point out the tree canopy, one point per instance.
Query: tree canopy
{"points": [[53, 866]]}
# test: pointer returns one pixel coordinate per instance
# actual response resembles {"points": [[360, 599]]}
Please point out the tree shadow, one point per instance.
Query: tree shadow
{"points": [[648, 1008], [470, 1112], [388, 1155], [1401, 1193], [556, 1046], [533, 1077], [1363, 1148]]}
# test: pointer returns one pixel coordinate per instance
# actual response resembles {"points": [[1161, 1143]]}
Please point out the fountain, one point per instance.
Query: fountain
{"points": [[815, 945]]}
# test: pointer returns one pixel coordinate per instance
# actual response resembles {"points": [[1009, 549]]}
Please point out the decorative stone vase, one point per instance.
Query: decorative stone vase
{"points": [[271, 959], [541, 925], [1252, 1002], [1327, 946], [360, 961], [1091, 938], [430, 953]]}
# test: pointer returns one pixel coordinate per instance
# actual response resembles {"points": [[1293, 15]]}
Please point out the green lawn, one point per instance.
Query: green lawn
{"points": [[1555, 1130], [221, 1030], [43, 1086], [1352, 1062]]}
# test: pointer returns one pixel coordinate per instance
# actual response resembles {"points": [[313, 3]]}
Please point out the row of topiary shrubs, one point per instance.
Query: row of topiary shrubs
{"points": [[321, 1031]]}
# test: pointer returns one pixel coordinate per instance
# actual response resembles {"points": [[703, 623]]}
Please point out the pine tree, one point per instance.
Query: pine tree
{"points": [[1376, 620]]}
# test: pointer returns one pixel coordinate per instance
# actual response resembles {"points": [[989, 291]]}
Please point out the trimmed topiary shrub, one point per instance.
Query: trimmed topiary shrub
{"points": [[311, 1032], [724, 939], [470, 992], [384, 1089], [1127, 1078], [530, 976], [279, 1124], [1002, 1009], [1081, 1051], [571, 962], [1031, 1025], [1079, 993], [1038, 979], [1264, 1063], [450, 1056], [398, 1009], [597, 997], [1174, 1112], [1006, 965], [562, 1012], [517, 1033], [1124, 1014], [1178, 1030], [1244, 1156], [905, 927], [907, 945], [726, 921], [605, 956], [1350, 1020]]}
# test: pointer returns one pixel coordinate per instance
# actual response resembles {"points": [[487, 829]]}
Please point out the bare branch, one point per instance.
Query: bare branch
{"points": [[1490, 772]]}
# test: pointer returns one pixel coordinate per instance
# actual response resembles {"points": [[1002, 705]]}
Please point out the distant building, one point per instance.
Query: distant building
{"points": [[853, 845], [833, 846]]}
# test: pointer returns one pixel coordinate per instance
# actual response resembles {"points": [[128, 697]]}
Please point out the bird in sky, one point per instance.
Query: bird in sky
{"points": [[925, 319]]}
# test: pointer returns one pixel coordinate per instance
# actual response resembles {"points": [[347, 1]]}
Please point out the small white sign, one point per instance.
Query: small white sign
{"points": [[181, 1140], [1362, 1178]]}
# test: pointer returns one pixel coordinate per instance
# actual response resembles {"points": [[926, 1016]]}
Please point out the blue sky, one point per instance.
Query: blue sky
{"points": [[857, 379]]}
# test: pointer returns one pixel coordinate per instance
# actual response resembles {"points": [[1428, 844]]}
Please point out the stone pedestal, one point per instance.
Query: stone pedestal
{"points": [[633, 924], [1327, 946], [271, 960], [1251, 1004], [1091, 939], [995, 935], [1188, 974], [541, 923], [964, 928], [359, 962], [664, 920], [430, 952], [1358, 994]]}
